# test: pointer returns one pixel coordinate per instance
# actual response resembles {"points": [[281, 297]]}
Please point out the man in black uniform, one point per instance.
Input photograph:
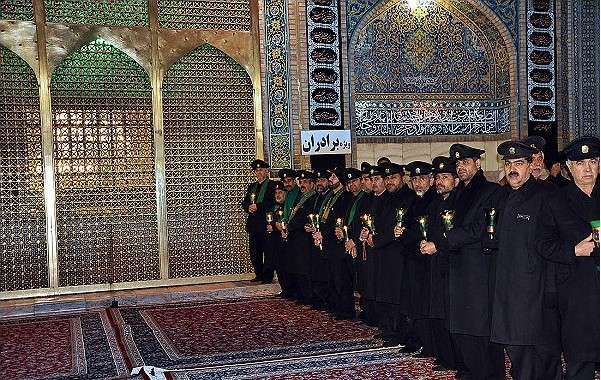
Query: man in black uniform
{"points": [[259, 197], [332, 210], [537, 143], [379, 209], [445, 179], [288, 178], [416, 264], [565, 237], [319, 260], [366, 184], [299, 241], [521, 320], [470, 269], [273, 240], [390, 253], [553, 162]]}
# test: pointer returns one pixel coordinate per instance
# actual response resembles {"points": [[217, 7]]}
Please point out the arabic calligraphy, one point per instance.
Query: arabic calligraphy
{"points": [[326, 142], [430, 118]]}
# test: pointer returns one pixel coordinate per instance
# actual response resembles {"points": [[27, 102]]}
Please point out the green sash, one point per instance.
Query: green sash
{"points": [[300, 203], [324, 212], [262, 191], [289, 203], [353, 210]]}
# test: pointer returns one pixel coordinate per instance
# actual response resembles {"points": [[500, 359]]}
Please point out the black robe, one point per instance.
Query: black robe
{"points": [[300, 241], [439, 261], [256, 222], [379, 205], [470, 277], [391, 252], [520, 315], [319, 260], [354, 230], [416, 264], [565, 222]]}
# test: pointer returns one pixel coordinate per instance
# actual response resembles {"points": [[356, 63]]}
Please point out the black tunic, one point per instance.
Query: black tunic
{"points": [[439, 264], [255, 222], [354, 230], [319, 260], [300, 241], [416, 264], [391, 252], [380, 204], [519, 314], [564, 223], [470, 282]]}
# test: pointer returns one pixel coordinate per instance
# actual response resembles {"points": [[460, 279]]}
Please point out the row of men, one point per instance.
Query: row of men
{"points": [[456, 264]]}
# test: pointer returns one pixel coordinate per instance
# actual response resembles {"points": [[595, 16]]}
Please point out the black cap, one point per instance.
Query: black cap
{"points": [[306, 174], [338, 172], [416, 168], [582, 148], [365, 166], [460, 151], [279, 185], [515, 149], [283, 173], [536, 142], [383, 160], [376, 170], [258, 164], [443, 164], [322, 173], [392, 168], [352, 173]]}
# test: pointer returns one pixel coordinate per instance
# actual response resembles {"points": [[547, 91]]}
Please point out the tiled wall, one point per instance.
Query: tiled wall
{"points": [[404, 153]]}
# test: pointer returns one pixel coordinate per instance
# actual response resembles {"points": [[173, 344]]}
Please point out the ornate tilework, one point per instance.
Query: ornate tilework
{"points": [[444, 71], [541, 63], [16, 10], [205, 14], [277, 83], [323, 44], [23, 255], [104, 164], [99, 12], [507, 11], [389, 118], [584, 78]]}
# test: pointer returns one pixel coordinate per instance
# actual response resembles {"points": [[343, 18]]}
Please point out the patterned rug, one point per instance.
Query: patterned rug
{"points": [[379, 364], [60, 347], [234, 331]]}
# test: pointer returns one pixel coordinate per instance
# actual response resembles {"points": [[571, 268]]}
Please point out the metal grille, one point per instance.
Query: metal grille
{"points": [[23, 255], [16, 10], [209, 142], [98, 12], [104, 162], [205, 14]]}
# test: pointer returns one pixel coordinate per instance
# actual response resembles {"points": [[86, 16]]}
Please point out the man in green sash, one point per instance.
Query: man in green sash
{"points": [[287, 176], [257, 201]]}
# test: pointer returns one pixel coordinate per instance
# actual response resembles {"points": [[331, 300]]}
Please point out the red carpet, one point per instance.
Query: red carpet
{"points": [[222, 332], [81, 346]]}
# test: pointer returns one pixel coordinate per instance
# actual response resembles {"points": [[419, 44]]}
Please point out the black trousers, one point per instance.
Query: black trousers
{"points": [[483, 359], [540, 362], [423, 330], [444, 349], [302, 288], [256, 246], [341, 277]]}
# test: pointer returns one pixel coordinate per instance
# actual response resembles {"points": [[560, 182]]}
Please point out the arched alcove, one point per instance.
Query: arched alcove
{"points": [[209, 142], [23, 251], [446, 69], [104, 165]]}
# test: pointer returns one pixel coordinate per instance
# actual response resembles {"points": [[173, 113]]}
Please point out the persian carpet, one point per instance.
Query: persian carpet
{"points": [[60, 347], [234, 331], [378, 364]]}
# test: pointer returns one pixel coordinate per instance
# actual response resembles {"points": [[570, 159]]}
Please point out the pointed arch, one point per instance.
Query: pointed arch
{"points": [[209, 131], [104, 164]]}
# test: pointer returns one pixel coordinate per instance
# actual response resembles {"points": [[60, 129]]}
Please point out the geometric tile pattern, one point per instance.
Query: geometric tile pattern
{"points": [[209, 143], [205, 14], [104, 164], [16, 10], [98, 12], [23, 251]]}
